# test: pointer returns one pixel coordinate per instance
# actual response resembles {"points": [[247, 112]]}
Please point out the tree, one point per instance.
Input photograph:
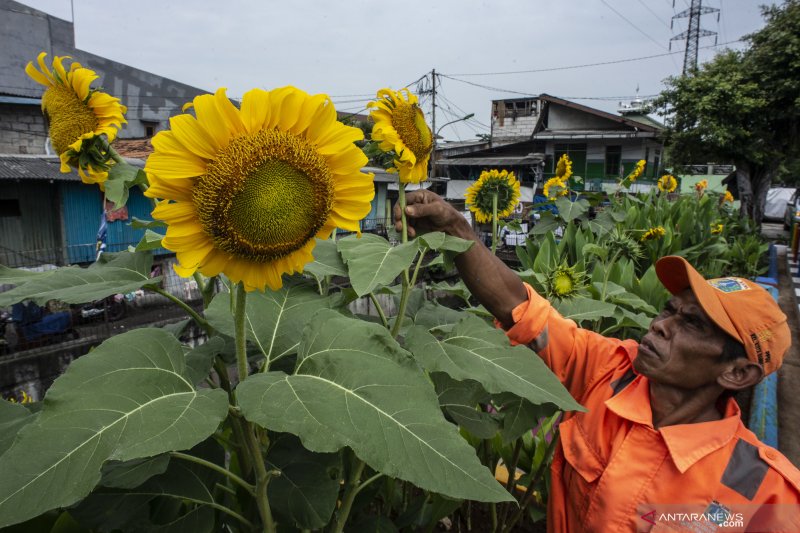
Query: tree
{"points": [[742, 107]]}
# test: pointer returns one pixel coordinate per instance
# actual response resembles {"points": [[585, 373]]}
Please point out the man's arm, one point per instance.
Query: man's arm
{"points": [[495, 285]]}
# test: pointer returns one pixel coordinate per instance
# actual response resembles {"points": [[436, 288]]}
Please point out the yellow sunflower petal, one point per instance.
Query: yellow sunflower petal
{"points": [[308, 110], [255, 111], [37, 76], [193, 136], [285, 116], [175, 211], [180, 190]]}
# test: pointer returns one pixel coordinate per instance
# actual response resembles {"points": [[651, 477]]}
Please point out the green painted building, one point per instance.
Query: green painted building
{"points": [[529, 135]]}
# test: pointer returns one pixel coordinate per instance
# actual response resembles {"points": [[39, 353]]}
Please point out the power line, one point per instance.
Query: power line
{"points": [[656, 15], [584, 65], [637, 28]]}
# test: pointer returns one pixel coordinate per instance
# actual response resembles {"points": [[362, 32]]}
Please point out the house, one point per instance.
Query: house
{"points": [[151, 99], [530, 134], [47, 217]]}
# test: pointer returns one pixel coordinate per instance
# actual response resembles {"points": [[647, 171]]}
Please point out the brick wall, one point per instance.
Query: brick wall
{"points": [[22, 129]]}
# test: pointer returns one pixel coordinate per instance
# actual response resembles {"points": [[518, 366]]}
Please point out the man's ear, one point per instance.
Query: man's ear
{"points": [[740, 374]]}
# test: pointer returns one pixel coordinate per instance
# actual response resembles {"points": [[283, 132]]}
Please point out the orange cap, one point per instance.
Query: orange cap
{"points": [[743, 309]]}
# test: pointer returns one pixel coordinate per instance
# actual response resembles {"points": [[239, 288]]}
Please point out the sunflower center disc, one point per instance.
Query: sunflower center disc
{"points": [[68, 116], [409, 122], [265, 196]]}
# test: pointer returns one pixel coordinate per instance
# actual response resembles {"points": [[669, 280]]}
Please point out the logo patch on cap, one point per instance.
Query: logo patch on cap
{"points": [[729, 284]]}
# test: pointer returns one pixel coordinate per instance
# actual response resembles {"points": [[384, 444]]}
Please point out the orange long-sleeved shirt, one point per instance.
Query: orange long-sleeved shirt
{"points": [[613, 471]]}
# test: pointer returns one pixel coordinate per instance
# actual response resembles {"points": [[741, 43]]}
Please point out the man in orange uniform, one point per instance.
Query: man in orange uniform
{"points": [[662, 446]]}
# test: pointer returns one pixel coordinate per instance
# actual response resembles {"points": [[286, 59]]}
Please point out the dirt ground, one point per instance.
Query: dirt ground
{"points": [[789, 374]]}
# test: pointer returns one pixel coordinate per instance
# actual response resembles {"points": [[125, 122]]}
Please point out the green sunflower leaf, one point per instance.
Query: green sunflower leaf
{"points": [[327, 261], [121, 177], [519, 415], [458, 289], [131, 474], [117, 273], [432, 315], [569, 210], [355, 386], [150, 241], [15, 276], [308, 487], [372, 261], [475, 350], [138, 223], [461, 399], [546, 223], [128, 398], [438, 240], [579, 308], [274, 319], [13, 417]]}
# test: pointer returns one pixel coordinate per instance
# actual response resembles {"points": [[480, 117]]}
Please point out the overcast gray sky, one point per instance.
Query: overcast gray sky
{"points": [[354, 47]]}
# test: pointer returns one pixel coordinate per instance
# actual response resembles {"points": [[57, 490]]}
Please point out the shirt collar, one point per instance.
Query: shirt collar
{"points": [[687, 443]]}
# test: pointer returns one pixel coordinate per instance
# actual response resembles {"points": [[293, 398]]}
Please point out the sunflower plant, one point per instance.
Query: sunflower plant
{"points": [[297, 412], [82, 121], [492, 197]]}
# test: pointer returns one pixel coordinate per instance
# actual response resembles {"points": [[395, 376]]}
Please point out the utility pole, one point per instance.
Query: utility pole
{"points": [[693, 32], [433, 123]]}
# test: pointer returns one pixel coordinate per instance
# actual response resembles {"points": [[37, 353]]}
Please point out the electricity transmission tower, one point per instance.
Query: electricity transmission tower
{"points": [[693, 32]]}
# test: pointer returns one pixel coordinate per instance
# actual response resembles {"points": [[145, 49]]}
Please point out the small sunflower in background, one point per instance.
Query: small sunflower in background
{"points": [[716, 229], [701, 186], [564, 281], [555, 187], [400, 127], [654, 234], [667, 183], [499, 184], [246, 191], [78, 116], [637, 171], [726, 198], [564, 168]]}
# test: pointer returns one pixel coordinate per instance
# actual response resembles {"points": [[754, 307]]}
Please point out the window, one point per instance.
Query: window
{"points": [[10, 208], [150, 128], [576, 153], [613, 160]]}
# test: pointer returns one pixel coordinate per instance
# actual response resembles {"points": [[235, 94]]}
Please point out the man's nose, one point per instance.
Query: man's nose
{"points": [[662, 327]]}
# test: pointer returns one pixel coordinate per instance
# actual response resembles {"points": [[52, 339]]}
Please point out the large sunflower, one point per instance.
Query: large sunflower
{"points": [[400, 127], [480, 195], [77, 114], [247, 190]]}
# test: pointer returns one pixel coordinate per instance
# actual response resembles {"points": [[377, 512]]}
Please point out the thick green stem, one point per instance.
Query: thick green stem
{"points": [[350, 493], [262, 480], [528, 497], [239, 331], [512, 474], [402, 199], [113, 154], [379, 309], [225, 472], [224, 509], [407, 286], [494, 223], [186, 307]]}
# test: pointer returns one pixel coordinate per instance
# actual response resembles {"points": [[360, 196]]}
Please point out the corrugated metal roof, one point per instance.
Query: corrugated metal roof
{"points": [[16, 167], [489, 161], [41, 167]]}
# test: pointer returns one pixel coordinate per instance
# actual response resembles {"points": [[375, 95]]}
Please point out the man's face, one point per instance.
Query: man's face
{"points": [[683, 346]]}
